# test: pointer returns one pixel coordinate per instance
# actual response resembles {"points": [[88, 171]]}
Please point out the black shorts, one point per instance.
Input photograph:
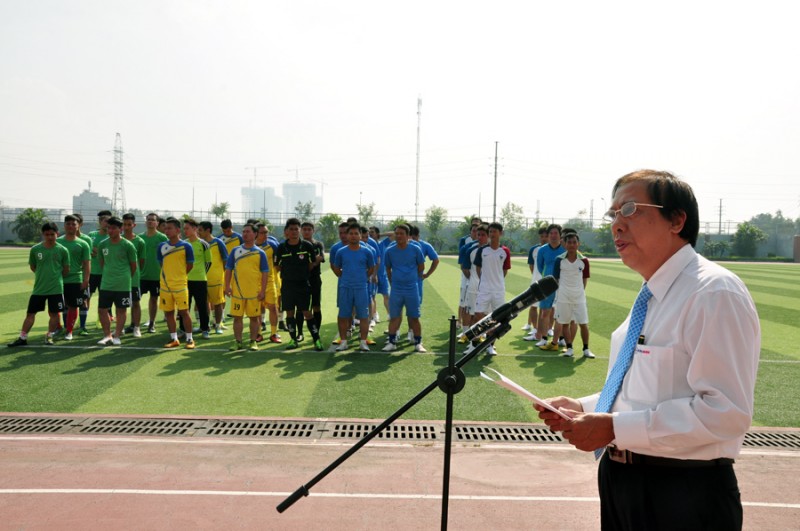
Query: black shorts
{"points": [[296, 297], [120, 299], [74, 296], [136, 296], [149, 286], [316, 291], [55, 303], [94, 283]]}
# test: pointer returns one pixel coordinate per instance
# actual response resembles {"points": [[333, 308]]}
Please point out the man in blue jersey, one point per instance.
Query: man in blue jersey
{"points": [[404, 267], [533, 312], [430, 254], [545, 262], [353, 264], [384, 241]]}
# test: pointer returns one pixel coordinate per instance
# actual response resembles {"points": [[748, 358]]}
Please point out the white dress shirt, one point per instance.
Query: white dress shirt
{"points": [[689, 391]]}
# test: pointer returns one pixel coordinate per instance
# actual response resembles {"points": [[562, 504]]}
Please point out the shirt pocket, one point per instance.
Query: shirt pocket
{"points": [[650, 378]]}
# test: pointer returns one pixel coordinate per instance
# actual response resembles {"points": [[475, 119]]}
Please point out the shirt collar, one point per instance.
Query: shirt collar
{"points": [[665, 276]]}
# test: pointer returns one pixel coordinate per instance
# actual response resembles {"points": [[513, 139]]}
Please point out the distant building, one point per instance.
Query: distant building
{"points": [[89, 203], [294, 193], [261, 202]]}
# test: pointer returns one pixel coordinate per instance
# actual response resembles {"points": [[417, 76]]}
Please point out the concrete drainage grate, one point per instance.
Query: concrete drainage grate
{"points": [[402, 432], [486, 433], [110, 426], [766, 439], [36, 424], [322, 430], [257, 428]]}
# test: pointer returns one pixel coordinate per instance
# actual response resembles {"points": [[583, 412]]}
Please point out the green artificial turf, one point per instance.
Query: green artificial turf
{"points": [[143, 378]]}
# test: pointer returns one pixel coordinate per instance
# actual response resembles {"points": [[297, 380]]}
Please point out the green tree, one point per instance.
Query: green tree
{"points": [[746, 239], [435, 218], [366, 214], [605, 239], [399, 220], [28, 225], [327, 228], [532, 234], [512, 216], [220, 210], [304, 211]]}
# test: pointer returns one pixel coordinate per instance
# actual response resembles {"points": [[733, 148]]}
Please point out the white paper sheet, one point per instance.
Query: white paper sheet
{"points": [[502, 381]]}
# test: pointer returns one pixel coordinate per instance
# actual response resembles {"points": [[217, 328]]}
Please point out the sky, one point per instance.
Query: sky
{"points": [[571, 94]]}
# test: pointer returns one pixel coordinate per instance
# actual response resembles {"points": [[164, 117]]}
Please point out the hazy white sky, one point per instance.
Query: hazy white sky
{"points": [[576, 93]]}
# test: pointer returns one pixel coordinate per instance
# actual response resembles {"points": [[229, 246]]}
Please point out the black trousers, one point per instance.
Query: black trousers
{"points": [[198, 290], [648, 497]]}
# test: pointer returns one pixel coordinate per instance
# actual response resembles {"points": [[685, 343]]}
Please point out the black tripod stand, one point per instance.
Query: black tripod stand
{"points": [[450, 380]]}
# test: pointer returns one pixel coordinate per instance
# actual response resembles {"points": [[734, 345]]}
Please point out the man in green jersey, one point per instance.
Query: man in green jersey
{"points": [[118, 262], [49, 262], [83, 311], [77, 282], [150, 275], [128, 223], [97, 236], [198, 281]]}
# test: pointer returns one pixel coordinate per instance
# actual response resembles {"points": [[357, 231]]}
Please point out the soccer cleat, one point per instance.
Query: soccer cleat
{"points": [[205, 335], [568, 353], [137, 332], [83, 332], [19, 342], [116, 341], [371, 341], [362, 346], [542, 342], [318, 345], [151, 329], [337, 341], [275, 338], [105, 341], [218, 331], [190, 344], [253, 346], [222, 326], [562, 343], [292, 345], [68, 336], [588, 354], [410, 335], [300, 338], [389, 347], [263, 327], [550, 347], [463, 339], [172, 344], [129, 329], [237, 345], [48, 340], [282, 326], [491, 351], [259, 338], [527, 327], [58, 331], [342, 346], [419, 348], [530, 337]]}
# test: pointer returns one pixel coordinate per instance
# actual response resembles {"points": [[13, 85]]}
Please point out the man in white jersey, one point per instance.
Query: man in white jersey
{"points": [[492, 263]]}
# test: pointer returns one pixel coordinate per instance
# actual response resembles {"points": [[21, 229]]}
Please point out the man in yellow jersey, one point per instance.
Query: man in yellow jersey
{"points": [[176, 258], [270, 302], [216, 273], [246, 284], [229, 237]]}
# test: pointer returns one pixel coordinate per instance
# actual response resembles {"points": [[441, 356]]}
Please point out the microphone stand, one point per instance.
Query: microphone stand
{"points": [[450, 380]]}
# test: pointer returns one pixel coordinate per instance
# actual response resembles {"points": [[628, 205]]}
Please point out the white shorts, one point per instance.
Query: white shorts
{"points": [[462, 294], [489, 301], [571, 311], [469, 303]]}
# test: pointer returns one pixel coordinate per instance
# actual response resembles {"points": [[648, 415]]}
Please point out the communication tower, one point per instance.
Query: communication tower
{"points": [[118, 198]]}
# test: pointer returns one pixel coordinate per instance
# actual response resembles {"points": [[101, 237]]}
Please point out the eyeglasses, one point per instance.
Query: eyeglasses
{"points": [[627, 210]]}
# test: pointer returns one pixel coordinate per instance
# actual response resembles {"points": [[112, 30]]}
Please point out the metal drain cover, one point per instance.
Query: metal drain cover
{"points": [[522, 433], [403, 432], [131, 426], [36, 424], [259, 428]]}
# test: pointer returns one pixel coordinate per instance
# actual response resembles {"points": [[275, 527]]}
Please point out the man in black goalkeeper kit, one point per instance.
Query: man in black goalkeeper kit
{"points": [[678, 398]]}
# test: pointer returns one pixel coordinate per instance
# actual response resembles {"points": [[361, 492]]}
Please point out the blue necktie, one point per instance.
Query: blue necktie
{"points": [[614, 382]]}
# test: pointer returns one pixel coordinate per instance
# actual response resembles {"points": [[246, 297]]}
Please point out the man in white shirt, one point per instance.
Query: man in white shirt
{"points": [[492, 262], [686, 401]]}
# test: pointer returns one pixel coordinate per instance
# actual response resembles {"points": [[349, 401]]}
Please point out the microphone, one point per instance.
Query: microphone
{"points": [[537, 291]]}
